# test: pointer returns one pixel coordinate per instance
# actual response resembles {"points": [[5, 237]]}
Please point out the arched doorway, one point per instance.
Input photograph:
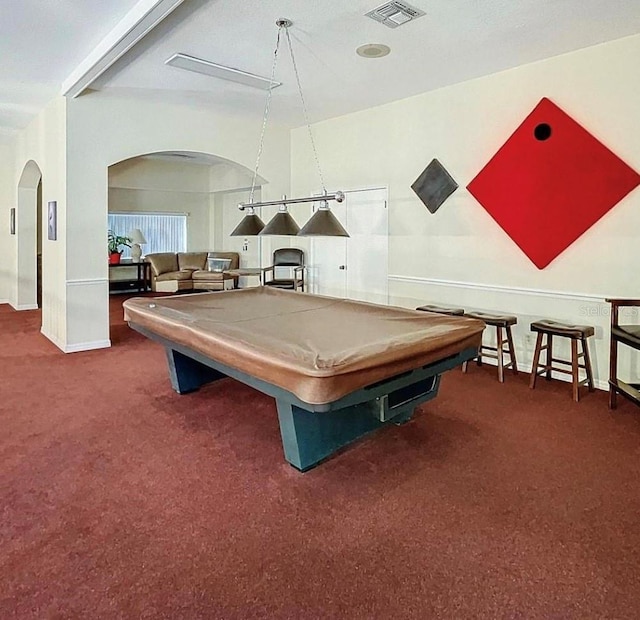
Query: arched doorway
{"points": [[200, 188], [29, 237]]}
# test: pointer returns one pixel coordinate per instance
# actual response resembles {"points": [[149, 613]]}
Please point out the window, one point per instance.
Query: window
{"points": [[164, 232]]}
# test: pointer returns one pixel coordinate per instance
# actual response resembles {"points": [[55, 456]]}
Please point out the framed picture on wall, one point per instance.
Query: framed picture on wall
{"points": [[52, 219], [13, 221]]}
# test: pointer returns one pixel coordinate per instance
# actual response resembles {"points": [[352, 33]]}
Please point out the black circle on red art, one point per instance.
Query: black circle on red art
{"points": [[542, 131]]}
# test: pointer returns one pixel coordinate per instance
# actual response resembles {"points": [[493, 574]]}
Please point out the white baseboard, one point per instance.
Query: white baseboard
{"points": [[76, 348], [4, 301], [52, 339], [87, 346], [25, 307]]}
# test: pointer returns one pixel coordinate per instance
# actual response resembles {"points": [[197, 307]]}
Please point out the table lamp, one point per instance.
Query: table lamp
{"points": [[137, 238]]}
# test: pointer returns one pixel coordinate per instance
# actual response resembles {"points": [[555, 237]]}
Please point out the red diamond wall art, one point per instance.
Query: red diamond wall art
{"points": [[550, 182]]}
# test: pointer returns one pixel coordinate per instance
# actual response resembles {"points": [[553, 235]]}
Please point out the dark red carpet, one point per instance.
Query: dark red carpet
{"points": [[122, 499]]}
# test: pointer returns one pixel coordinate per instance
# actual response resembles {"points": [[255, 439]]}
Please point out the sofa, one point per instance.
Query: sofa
{"points": [[185, 271]]}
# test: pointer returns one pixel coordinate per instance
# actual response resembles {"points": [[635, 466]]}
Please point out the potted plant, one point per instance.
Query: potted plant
{"points": [[114, 243]]}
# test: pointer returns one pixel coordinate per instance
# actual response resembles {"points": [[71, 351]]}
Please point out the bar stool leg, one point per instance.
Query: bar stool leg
{"points": [[512, 351], [587, 364], [500, 353], [536, 360], [574, 369], [549, 356]]}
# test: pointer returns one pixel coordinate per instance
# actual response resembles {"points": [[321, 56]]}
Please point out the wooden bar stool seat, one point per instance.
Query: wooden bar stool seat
{"points": [[502, 323], [577, 333], [442, 310]]}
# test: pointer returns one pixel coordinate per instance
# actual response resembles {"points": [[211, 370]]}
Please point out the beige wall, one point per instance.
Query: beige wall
{"points": [[104, 130], [42, 142], [7, 201], [151, 185], [459, 255]]}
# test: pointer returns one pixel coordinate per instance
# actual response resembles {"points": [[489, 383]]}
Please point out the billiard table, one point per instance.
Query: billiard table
{"points": [[338, 369]]}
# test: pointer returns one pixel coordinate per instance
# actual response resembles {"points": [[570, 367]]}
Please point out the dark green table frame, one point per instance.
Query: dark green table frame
{"points": [[311, 433]]}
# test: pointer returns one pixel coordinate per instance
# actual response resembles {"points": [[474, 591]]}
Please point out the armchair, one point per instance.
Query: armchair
{"points": [[293, 258]]}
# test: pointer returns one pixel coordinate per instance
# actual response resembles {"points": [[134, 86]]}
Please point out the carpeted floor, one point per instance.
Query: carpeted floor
{"points": [[122, 499]]}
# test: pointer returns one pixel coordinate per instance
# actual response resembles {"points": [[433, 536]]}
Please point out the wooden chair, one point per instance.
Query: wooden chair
{"points": [[293, 258], [628, 335]]}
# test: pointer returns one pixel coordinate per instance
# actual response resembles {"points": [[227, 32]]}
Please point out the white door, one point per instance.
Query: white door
{"points": [[355, 267]]}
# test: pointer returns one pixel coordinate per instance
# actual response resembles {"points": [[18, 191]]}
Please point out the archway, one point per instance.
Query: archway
{"points": [[29, 237], [148, 188]]}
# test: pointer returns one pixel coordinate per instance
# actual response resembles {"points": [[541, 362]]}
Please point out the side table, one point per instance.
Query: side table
{"points": [[140, 283]]}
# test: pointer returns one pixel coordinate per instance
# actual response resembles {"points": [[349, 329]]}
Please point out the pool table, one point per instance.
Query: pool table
{"points": [[338, 369]]}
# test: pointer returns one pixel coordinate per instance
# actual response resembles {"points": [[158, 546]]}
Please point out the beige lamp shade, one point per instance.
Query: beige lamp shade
{"points": [[137, 238]]}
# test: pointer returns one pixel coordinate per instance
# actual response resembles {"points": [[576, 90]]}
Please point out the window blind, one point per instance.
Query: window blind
{"points": [[164, 232]]}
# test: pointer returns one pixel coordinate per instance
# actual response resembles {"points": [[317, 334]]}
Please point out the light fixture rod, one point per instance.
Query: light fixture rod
{"points": [[338, 197]]}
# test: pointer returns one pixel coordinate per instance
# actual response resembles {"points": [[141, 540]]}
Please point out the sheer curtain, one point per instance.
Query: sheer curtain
{"points": [[164, 232]]}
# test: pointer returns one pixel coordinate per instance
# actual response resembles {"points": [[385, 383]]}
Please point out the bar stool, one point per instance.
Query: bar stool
{"points": [[576, 333], [442, 310], [500, 322]]}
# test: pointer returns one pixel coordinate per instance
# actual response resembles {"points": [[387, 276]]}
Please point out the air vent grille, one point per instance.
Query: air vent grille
{"points": [[394, 14]]}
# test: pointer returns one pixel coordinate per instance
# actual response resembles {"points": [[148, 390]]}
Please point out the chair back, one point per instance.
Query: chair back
{"points": [[288, 257]]}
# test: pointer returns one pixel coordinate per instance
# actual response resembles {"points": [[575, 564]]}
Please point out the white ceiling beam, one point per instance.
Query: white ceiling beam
{"points": [[133, 27]]}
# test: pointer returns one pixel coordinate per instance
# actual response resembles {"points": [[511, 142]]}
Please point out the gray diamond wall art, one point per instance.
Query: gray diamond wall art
{"points": [[434, 185]]}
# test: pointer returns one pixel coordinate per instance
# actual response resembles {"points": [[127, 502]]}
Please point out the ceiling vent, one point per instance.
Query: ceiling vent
{"points": [[394, 14]]}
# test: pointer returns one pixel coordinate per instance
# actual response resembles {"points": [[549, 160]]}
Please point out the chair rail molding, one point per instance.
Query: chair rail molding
{"points": [[88, 281], [496, 288]]}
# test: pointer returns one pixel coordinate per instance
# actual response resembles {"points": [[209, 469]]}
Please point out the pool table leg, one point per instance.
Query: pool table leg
{"points": [[187, 374], [308, 438]]}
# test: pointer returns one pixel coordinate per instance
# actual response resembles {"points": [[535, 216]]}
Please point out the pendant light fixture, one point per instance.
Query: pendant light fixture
{"points": [[323, 221], [281, 223], [249, 225]]}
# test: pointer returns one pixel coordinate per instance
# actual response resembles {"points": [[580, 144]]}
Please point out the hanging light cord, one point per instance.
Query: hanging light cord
{"points": [[265, 116], [337, 196], [304, 109]]}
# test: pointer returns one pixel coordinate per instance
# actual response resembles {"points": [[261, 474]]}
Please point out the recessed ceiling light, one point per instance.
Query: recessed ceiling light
{"points": [[373, 50]]}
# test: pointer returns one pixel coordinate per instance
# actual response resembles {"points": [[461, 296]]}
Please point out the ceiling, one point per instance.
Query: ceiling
{"points": [[43, 41]]}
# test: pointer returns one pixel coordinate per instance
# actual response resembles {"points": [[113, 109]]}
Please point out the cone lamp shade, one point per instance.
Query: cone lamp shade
{"points": [[323, 224], [281, 224], [250, 225]]}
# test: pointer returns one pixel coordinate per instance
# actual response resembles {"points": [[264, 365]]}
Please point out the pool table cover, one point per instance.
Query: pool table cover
{"points": [[319, 348]]}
